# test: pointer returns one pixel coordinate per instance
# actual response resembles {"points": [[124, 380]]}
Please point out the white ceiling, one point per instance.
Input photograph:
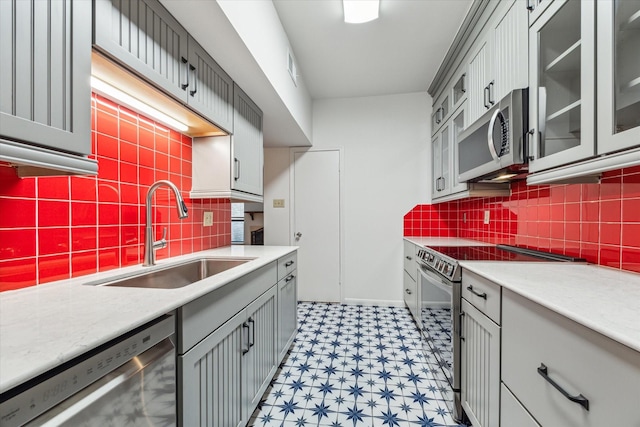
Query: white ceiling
{"points": [[398, 53]]}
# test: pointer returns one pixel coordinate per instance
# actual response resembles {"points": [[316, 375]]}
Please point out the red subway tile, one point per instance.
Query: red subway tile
{"points": [[631, 234], [129, 152], [631, 259], [610, 210], [106, 124], [108, 169], [17, 273], [108, 214], [83, 214], [108, 237], [146, 137], [610, 233], [108, 146], [83, 263], [53, 213], [12, 186], [630, 210], [51, 268], [129, 131], [83, 238], [53, 241], [83, 189], [53, 187], [610, 256], [128, 173], [17, 213], [129, 193], [108, 192], [17, 243], [108, 259]]}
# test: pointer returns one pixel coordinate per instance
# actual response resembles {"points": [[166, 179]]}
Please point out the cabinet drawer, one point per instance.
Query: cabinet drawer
{"points": [[198, 318], [409, 257], [512, 413], [579, 360], [287, 264], [482, 293]]}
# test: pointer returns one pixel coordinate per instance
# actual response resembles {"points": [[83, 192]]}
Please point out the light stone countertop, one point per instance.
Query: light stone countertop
{"points": [[45, 325], [445, 241], [603, 299]]}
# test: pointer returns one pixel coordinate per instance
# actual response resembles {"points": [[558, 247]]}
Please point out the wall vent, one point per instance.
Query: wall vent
{"points": [[291, 67]]}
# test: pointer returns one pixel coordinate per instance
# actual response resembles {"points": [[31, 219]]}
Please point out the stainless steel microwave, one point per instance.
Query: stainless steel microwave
{"points": [[494, 147]]}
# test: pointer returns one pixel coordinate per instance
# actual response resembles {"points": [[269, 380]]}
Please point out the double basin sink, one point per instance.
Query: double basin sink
{"points": [[173, 276]]}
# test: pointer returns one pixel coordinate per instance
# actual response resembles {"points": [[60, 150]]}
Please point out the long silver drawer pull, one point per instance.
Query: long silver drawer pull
{"points": [[579, 399], [481, 295], [461, 323], [288, 263]]}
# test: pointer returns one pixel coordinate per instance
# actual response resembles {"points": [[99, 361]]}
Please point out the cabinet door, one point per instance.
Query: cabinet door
{"points": [[287, 313], [143, 36], [247, 144], [260, 361], [510, 56], [45, 64], [561, 87], [436, 165], [478, 98], [210, 381], [441, 162], [618, 75], [210, 88], [480, 367], [457, 126]]}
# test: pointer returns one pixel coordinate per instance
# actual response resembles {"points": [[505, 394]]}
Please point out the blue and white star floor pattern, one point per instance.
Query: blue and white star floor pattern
{"points": [[354, 366]]}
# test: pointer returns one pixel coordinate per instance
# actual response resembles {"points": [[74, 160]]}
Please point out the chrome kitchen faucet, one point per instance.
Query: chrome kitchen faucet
{"points": [[150, 246]]}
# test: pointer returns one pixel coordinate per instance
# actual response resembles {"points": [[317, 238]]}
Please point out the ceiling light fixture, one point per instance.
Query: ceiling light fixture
{"points": [[109, 91], [359, 11]]}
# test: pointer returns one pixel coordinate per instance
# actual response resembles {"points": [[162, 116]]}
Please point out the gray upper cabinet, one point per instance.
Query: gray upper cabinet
{"points": [[247, 145], [618, 75], [561, 84], [144, 37], [210, 88], [45, 95]]}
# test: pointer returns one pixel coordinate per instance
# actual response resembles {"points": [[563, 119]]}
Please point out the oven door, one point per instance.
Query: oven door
{"points": [[440, 317]]}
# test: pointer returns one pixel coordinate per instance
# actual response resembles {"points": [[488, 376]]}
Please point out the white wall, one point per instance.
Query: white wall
{"points": [[386, 173]]}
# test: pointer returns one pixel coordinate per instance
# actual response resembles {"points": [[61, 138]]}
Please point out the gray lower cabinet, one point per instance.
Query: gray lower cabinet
{"points": [[45, 96], [230, 343], [145, 38]]}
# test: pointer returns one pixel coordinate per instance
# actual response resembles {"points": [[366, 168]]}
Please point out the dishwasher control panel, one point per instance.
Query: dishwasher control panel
{"points": [[25, 402]]}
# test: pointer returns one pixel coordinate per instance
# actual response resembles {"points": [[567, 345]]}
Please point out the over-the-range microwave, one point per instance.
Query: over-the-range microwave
{"points": [[495, 146]]}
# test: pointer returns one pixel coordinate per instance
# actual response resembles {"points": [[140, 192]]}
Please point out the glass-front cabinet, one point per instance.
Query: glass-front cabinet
{"points": [[618, 75], [445, 157], [562, 82]]}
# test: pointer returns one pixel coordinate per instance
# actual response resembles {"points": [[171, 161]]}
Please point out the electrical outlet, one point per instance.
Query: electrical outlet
{"points": [[207, 220], [278, 203], [486, 217], [464, 217]]}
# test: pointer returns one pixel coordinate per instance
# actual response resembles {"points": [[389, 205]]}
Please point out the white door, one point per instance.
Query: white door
{"points": [[315, 179]]}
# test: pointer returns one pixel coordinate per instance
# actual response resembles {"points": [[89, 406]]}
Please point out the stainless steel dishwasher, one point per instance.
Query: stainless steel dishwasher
{"points": [[128, 381]]}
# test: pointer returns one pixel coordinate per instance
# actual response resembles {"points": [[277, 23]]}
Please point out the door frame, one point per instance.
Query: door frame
{"points": [[292, 226]]}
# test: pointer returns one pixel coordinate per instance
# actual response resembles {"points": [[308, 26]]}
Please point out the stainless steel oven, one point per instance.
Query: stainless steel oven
{"points": [[128, 381], [440, 317]]}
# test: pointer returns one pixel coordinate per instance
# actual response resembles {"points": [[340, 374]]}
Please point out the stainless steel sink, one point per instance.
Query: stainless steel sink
{"points": [[174, 276]]}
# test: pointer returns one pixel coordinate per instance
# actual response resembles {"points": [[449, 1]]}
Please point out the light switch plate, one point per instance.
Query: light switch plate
{"points": [[486, 217], [278, 203], [207, 220]]}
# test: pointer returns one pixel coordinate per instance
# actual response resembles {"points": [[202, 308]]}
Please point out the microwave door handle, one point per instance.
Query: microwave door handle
{"points": [[492, 148], [542, 118]]}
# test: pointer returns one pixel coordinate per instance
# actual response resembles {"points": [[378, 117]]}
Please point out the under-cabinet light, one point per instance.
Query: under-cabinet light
{"points": [[504, 176], [109, 91], [359, 11]]}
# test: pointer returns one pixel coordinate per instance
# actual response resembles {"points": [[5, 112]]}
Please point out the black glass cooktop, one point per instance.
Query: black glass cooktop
{"points": [[500, 253]]}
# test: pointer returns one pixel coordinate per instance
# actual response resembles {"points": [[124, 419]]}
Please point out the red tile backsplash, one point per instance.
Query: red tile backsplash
{"points": [[54, 228], [600, 222]]}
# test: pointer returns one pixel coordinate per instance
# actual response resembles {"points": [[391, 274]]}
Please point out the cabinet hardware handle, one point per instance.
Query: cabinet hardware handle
{"points": [[461, 323], [408, 291], [236, 175], [245, 325], [463, 87], [491, 101], [184, 61], [579, 399], [530, 6], [253, 332], [481, 295], [490, 138], [444, 183], [195, 80], [290, 278], [408, 257], [288, 263], [529, 148], [486, 97]]}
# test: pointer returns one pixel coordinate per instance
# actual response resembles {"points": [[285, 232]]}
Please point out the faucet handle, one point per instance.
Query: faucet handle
{"points": [[162, 243]]}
